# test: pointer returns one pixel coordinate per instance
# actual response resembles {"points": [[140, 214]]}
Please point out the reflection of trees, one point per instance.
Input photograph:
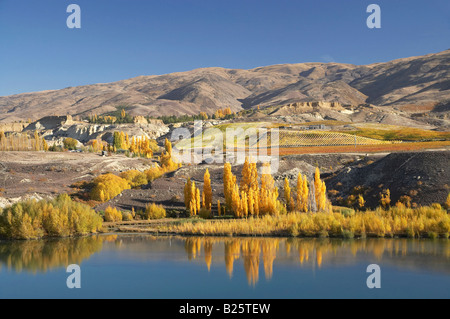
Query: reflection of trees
{"points": [[251, 249], [311, 252], [44, 255], [208, 252], [269, 253], [232, 252], [193, 246]]}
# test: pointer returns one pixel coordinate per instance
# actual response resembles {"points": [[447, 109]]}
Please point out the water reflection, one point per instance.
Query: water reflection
{"points": [[317, 253], [250, 255], [43, 255]]}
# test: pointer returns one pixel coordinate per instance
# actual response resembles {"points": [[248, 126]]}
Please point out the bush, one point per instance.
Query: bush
{"points": [[205, 213], [154, 173], [126, 216], [135, 178], [347, 234], [154, 211], [436, 206], [55, 148], [107, 187], [60, 217], [112, 215], [70, 143]]}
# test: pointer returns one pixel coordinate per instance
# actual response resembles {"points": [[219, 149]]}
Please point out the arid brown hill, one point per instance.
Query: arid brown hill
{"points": [[424, 176], [418, 81]]}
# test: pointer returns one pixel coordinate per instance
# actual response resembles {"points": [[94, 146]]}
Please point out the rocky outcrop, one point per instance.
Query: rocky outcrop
{"points": [[50, 123], [12, 127], [140, 120], [85, 132], [307, 107]]}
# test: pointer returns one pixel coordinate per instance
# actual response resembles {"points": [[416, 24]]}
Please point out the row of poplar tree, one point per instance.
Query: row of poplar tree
{"points": [[255, 196]]}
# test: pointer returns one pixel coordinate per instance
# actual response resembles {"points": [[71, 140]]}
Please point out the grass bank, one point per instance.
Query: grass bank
{"points": [[431, 222]]}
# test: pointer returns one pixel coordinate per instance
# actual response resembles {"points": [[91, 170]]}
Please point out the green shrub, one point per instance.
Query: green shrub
{"points": [[204, 213], [70, 143], [347, 234], [432, 235]]}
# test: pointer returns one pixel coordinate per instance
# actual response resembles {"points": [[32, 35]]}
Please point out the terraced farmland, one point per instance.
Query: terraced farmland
{"points": [[321, 138], [255, 139]]}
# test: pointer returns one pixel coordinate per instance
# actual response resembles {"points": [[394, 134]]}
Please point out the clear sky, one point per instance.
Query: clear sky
{"points": [[120, 39]]}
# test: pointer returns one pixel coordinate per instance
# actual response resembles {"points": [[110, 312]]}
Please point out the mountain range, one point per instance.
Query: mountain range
{"points": [[416, 83]]}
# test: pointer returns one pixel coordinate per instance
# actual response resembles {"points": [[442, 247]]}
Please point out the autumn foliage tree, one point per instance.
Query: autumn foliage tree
{"points": [[287, 196], [302, 193], [228, 183], [135, 178], [385, 200], [108, 186], [250, 197], [167, 161], [207, 191], [192, 199], [223, 113], [320, 189], [112, 215]]}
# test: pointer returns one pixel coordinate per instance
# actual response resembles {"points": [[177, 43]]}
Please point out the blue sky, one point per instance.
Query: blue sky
{"points": [[120, 39]]}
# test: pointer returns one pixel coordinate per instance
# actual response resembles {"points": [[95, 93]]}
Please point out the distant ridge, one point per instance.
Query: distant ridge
{"points": [[418, 81]]}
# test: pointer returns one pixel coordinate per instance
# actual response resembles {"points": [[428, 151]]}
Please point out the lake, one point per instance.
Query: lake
{"points": [[141, 266]]}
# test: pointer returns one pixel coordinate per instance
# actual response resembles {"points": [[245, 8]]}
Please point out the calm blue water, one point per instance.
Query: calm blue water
{"points": [[135, 266]]}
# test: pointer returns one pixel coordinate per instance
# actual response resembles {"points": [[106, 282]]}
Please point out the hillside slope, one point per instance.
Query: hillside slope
{"points": [[422, 81]]}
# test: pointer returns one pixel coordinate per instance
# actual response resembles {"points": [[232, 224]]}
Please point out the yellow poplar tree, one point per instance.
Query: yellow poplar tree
{"points": [[37, 141], [305, 195], [44, 145], [228, 185], [317, 186], [207, 191], [197, 199], [287, 195], [236, 204], [320, 192], [245, 181], [194, 200]]}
